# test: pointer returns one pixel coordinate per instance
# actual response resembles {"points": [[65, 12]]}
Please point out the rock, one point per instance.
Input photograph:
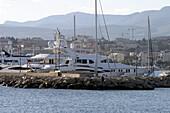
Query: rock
{"points": [[92, 83], [41, 86]]}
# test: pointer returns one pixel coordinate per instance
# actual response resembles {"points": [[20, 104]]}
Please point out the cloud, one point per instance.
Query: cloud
{"points": [[7, 2]]}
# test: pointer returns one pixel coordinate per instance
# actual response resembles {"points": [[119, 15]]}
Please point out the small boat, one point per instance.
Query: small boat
{"points": [[166, 74]]}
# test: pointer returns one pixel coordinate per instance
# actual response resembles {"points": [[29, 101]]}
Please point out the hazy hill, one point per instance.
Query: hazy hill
{"points": [[160, 24]]}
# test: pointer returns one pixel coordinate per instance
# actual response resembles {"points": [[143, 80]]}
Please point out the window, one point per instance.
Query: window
{"points": [[51, 61], [134, 70], [67, 62], [129, 70], [103, 61], [111, 61], [91, 62], [107, 61], [78, 61], [84, 61]]}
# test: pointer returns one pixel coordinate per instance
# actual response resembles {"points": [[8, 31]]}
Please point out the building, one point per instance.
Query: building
{"points": [[117, 56], [165, 56], [125, 43]]}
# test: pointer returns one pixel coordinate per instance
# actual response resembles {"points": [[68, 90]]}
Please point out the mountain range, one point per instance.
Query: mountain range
{"points": [[117, 24]]}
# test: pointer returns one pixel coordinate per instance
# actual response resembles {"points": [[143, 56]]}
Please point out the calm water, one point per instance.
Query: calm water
{"points": [[13, 100]]}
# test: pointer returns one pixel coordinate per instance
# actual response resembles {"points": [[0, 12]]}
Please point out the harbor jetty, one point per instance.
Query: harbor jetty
{"points": [[89, 83]]}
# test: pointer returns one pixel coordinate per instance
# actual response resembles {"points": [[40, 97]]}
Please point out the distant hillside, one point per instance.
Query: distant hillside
{"points": [[158, 18], [160, 24], [24, 32]]}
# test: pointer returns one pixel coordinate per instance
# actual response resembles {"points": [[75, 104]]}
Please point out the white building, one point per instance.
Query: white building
{"points": [[125, 43], [117, 56], [143, 58], [165, 56]]}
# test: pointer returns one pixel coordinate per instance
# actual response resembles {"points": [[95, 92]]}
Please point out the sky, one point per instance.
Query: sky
{"points": [[29, 10]]}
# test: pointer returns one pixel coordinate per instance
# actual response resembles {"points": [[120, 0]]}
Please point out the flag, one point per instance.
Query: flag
{"points": [[91, 44]]}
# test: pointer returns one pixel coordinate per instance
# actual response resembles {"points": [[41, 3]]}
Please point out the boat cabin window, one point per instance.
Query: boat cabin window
{"points": [[134, 70], [127, 70], [84, 61], [103, 61], [91, 62], [67, 62], [107, 61], [37, 60], [51, 61], [110, 61], [78, 61]]}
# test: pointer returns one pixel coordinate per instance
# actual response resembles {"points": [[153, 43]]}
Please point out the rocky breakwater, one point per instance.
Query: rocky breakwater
{"points": [[90, 83]]}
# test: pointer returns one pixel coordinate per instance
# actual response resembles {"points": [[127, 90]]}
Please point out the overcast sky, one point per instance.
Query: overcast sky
{"points": [[26, 10]]}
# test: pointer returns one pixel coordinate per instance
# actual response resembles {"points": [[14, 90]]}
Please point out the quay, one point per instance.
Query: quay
{"points": [[90, 83]]}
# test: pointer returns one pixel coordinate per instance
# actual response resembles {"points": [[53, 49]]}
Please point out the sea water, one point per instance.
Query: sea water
{"points": [[15, 100]]}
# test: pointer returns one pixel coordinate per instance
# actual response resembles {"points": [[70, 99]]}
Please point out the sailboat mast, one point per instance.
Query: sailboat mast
{"points": [[148, 44], [74, 27], [96, 44], [74, 41]]}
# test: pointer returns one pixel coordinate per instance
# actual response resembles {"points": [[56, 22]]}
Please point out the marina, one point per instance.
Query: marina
{"points": [[84, 62]]}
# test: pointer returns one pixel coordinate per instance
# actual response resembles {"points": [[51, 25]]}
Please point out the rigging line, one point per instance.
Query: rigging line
{"points": [[100, 27], [108, 61], [105, 28], [107, 33], [104, 42]]}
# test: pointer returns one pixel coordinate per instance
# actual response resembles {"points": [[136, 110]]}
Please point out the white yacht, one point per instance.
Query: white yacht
{"points": [[10, 62], [85, 63], [67, 60]]}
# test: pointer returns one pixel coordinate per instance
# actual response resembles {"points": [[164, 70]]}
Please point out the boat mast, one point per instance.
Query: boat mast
{"points": [[150, 52], [96, 44], [148, 44], [74, 27], [74, 42]]}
